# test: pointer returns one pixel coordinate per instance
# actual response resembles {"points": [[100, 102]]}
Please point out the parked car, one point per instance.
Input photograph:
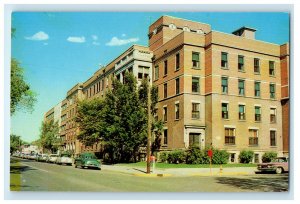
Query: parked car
{"points": [[278, 165], [52, 158], [64, 159], [88, 160], [42, 157]]}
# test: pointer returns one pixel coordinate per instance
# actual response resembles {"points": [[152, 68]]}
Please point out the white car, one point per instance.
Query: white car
{"points": [[64, 159], [52, 158]]}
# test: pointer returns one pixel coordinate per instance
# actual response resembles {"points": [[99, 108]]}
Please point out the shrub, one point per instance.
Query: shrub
{"points": [[163, 156], [176, 156], [246, 156], [196, 156], [269, 156], [219, 156]]}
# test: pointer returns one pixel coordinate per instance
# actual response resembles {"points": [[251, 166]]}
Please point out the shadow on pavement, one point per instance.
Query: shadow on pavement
{"points": [[263, 184], [20, 169]]}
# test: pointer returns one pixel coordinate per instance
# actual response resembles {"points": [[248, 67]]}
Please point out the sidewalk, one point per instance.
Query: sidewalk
{"points": [[137, 171]]}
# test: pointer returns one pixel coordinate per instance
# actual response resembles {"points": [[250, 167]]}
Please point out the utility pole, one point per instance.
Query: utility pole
{"points": [[149, 126]]}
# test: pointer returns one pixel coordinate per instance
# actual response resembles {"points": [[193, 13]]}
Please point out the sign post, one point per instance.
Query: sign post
{"points": [[210, 154]]}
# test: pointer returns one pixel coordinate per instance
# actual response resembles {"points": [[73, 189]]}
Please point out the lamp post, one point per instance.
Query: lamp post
{"points": [[149, 126]]}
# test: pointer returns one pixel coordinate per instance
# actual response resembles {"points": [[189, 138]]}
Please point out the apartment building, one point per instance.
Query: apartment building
{"points": [[136, 59], [217, 89]]}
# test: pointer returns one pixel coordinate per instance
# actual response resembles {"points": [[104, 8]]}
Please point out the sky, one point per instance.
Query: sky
{"points": [[59, 49]]}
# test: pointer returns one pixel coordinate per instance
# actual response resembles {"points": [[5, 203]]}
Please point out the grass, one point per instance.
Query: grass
{"points": [[15, 176], [167, 165]]}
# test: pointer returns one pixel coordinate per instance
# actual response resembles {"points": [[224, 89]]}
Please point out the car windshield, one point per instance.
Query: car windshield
{"points": [[90, 157], [280, 160]]}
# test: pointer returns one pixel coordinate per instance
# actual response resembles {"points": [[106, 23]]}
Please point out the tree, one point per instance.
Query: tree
{"points": [[21, 96], [49, 135], [15, 143], [119, 121]]}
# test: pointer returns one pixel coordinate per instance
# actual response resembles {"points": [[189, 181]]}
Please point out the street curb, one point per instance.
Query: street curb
{"points": [[152, 175], [221, 174]]}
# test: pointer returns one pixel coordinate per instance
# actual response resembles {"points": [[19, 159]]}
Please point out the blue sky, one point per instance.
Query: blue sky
{"points": [[58, 50]]}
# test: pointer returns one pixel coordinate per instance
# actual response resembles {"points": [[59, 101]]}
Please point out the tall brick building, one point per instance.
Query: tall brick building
{"points": [[229, 91]]}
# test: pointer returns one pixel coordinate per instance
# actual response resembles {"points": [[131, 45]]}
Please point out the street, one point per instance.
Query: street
{"points": [[28, 175]]}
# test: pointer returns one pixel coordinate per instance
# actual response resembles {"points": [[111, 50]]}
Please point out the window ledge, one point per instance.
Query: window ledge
{"points": [[196, 119], [176, 70], [233, 145], [226, 68], [226, 119], [176, 119], [273, 76], [273, 146], [242, 120], [165, 75], [198, 68], [243, 71], [253, 145], [257, 121], [257, 73]]}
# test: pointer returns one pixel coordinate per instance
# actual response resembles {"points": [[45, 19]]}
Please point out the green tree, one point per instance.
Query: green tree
{"points": [[119, 121], [49, 139], [21, 96], [15, 143]]}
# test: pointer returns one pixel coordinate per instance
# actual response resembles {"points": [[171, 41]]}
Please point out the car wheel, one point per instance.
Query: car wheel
{"points": [[278, 170]]}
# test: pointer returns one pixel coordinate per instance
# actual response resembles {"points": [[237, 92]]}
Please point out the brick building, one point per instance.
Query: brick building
{"points": [[218, 89]]}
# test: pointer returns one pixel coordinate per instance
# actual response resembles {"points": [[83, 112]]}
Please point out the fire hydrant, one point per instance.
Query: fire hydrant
{"points": [[221, 169]]}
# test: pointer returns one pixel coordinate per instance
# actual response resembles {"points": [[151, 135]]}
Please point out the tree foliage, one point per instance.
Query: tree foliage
{"points": [[49, 139], [119, 121], [21, 96], [15, 143]]}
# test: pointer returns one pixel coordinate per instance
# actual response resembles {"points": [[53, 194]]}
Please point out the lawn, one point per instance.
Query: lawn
{"points": [[167, 165]]}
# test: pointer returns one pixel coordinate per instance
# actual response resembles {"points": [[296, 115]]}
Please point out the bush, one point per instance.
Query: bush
{"points": [[269, 156], [196, 156], [163, 156], [176, 156], [246, 156], [219, 156]]}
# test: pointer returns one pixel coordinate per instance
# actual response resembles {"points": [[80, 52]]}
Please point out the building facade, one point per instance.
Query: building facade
{"points": [[218, 89]]}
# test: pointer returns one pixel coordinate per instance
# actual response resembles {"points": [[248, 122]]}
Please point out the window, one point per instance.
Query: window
{"points": [[195, 110], [196, 59], [102, 85], [241, 63], [177, 81], [232, 157], [256, 158], [156, 72], [165, 90], [257, 114], [224, 85], [177, 111], [271, 68], [273, 115], [194, 139], [256, 65], [165, 136], [230, 136], [195, 85], [272, 91], [272, 138], [242, 114], [165, 67], [225, 110], [257, 89], [224, 62], [143, 72], [253, 137], [177, 60], [165, 114], [241, 87]]}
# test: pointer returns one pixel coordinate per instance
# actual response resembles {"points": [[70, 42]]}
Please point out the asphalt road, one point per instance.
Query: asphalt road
{"points": [[27, 175]]}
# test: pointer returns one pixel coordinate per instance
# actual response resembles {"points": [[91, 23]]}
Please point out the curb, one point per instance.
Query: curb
{"points": [[152, 175]]}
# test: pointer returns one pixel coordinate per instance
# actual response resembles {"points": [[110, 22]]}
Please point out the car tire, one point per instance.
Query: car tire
{"points": [[279, 170]]}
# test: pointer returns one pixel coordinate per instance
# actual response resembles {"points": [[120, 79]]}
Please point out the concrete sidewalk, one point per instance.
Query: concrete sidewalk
{"points": [[138, 171]]}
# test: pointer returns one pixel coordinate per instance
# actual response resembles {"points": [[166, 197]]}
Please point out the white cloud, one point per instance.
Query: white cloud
{"points": [[123, 35], [41, 35], [118, 42], [76, 39], [96, 43], [95, 37]]}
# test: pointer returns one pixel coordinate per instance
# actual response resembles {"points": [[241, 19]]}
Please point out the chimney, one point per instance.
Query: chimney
{"points": [[245, 32]]}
